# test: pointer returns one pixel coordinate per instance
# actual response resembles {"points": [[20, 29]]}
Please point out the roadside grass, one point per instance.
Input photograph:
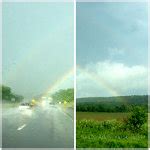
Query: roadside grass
{"points": [[70, 104], [9, 104], [109, 134], [67, 105]]}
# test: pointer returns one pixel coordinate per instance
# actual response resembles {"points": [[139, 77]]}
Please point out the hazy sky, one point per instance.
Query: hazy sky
{"points": [[37, 46], [112, 49]]}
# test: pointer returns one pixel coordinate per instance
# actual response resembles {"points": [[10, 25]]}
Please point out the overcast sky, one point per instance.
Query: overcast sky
{"points": [[112, 49], [37, 46]]}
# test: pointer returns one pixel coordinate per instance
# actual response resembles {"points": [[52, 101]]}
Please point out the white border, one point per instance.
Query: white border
{"points": [[74, 74], [148, 72], [121, 1], [74, 46], [37, 1], [1, 72]]}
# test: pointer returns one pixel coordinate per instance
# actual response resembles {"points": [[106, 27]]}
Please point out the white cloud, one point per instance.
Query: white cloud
{"points": [[110, 78]]}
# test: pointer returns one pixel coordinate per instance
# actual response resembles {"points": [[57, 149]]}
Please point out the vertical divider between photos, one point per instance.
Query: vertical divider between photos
{"points": [[0, 73], [74, 74], [148, 74]]}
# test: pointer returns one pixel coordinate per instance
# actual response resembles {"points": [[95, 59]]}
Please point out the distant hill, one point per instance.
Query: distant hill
{"points": [[111, 104], [133, 99]]}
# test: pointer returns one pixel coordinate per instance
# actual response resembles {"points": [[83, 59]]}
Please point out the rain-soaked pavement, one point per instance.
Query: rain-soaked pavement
{"points": [[40, 127]]}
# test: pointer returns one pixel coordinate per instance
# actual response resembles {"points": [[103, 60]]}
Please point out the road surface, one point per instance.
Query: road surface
{"points": [[40, 127]]}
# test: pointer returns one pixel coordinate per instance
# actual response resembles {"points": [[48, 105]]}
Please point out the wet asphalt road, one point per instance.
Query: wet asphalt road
{"points": [[40, 127]]}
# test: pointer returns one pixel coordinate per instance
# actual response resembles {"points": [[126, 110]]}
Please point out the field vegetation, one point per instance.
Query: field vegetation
{"points": [[100, 116], [109, 134], [119, 128]]}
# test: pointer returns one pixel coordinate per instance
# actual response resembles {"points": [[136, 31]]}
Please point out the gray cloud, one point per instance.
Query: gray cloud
{"points": [[111, 79]]}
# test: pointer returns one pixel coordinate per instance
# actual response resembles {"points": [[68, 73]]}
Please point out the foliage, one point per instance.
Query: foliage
{"points": [[9, 96], [130, 133], [136, 119], [108, 134], [132, 99], [111, 104], [64, 95], [6, 92]]}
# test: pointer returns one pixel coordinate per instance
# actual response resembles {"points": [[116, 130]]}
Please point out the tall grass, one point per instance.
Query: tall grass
{"points": [[109, 134]]}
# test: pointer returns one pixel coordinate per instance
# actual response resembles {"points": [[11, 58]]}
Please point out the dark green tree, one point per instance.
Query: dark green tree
{"points": [[7, 95], [64, 95], [136, 119]]}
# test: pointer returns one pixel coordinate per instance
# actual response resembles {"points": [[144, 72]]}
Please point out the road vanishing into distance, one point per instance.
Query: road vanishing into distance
{"points": [[40, 127]]}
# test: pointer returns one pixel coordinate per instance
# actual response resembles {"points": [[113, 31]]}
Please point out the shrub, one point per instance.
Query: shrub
{"points": [[136, 119]]}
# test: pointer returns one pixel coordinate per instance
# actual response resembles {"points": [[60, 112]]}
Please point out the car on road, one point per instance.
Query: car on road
{"points": [[52, 103], [24, 106]]}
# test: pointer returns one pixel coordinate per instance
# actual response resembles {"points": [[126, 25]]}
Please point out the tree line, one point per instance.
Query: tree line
{"points": [[104, 107], [8, 95], [64, 95]]}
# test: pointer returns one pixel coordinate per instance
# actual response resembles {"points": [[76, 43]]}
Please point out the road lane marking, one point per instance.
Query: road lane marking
{"points": [[20, 128], [66, 114]]}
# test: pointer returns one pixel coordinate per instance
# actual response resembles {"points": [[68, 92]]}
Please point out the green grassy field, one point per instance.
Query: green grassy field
{"points": [[107, 130], [109, 134], [100, 116]]}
